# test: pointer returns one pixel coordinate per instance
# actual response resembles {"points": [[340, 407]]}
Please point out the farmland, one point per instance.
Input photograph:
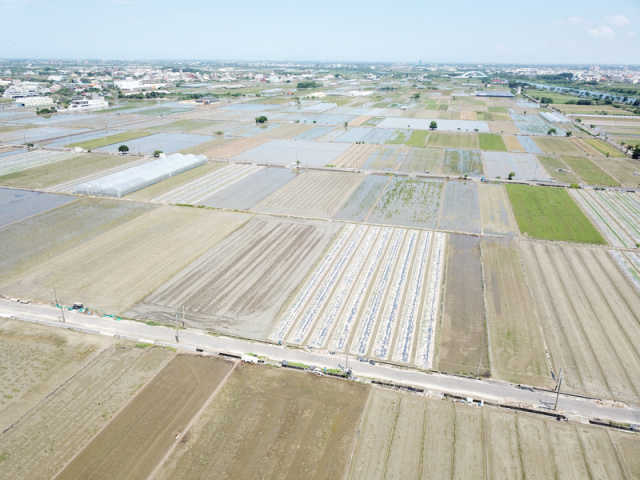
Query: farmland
{"points": [[30, 159], [590, 173], [17, 205], [524, 165], [374, 293], [453, 140], [109, 140], [557, 146], [550, 214], [250, 285], [460, 208], [462, 162], [362, 200], [423, 160], [491, 141], [558, 169]]}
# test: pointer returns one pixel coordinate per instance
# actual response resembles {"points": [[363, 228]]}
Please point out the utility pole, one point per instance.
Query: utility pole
{"points": [[55, 294], [177, 318], [183, 316], [560, 378], [479, 363]]}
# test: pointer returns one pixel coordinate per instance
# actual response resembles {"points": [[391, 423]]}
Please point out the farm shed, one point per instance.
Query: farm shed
{"points": [[135, 178]]}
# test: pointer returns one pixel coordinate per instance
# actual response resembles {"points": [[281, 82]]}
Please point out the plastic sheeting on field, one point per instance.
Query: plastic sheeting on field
{"points": [[135, 178], [553, 117]]}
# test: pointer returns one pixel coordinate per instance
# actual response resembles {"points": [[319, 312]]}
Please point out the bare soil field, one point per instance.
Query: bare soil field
{"points": [[623, 170], [503, 127], [240, 285], [517, 347], [409, 436], [589, 314], [272, 423], [40, 237], [232, 148], [209, 147], [460, 207], [588, 149], [312, 194], [46, 438], [512, 143], [34, 360], [355, 156], [495, 209], [113, 271], [136, 440], [359, 204], [557, 146], [462, 333], [58, 172]]}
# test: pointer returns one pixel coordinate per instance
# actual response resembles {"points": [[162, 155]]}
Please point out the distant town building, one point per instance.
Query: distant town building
{"points": [[84, 104], [34, 101]]}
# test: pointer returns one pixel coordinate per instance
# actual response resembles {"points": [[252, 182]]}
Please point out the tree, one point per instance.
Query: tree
{"points": [[511, 175], [346, 124], [568, 134], [156, 153], [433, 125], [123, 149], [552, 131], [261, 119], [636, 152], [416, 95]]}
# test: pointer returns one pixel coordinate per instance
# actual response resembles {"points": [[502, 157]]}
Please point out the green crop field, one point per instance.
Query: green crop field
{"points": [[418, 138], [104, 141], [557, 145], [553, 164], [498, 109], [591, 173], [604, 148], [453, 140], [491, 141], [551, 214]]}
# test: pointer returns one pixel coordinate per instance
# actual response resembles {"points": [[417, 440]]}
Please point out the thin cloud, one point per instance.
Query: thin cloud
{"points": [[619, 20], [601, 32], [575, 20]]}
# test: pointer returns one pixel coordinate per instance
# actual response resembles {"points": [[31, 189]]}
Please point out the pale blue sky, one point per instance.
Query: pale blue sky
{"points": [[493, 31]]}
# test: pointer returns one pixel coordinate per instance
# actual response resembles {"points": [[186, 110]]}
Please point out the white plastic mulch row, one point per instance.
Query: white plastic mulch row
{"points": [[26, 160]]}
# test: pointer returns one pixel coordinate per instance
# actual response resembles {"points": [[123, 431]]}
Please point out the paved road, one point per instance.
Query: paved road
{"points": [[487, 390]]}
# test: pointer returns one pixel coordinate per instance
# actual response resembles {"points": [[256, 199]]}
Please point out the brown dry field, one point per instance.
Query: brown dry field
{"points": [[176, 181], [360, 120], [272, 423], [227, 148], [512, 143], [507, 128], [495, 209], [468, 115], [589, 316], [218, 126], [517, 348], [408, 436], [48, 437], [137, 439], [116, 269], [313, 194], [588, 149], [239, 286], [35, 360], [206, 148], [621, 169], [355, 156], [462, 331]]}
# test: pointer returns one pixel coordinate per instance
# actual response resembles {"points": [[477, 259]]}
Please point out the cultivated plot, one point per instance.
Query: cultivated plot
{"points": [[558, 170], [27, 160], [495, 208], [462, 344], [388, 157], [312, 194], [355, 156], [362, 200], [460, 207], [247, 192], [517, 347], [590, 173], [423, 160], [453, 140], [557, 146], [624, 170], [144, 431], [524, 165], [270, 423], [16, 205], [409, 202], [50, 435], [589, 315], [629, 263], [462, 162], [374, 293], [116, 269], [528, 144], [443, 124], [617, 214], [286, 152], [240, 285]]}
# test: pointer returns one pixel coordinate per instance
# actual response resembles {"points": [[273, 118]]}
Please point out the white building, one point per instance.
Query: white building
{"points": [[34, 101], [83, 104], [128, 84], [23, 90]]}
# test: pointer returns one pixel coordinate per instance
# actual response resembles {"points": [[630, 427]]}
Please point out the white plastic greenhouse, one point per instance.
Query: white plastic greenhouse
{"points": [[135, 178]]}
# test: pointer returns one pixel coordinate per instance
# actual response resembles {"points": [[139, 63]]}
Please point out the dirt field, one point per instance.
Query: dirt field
{"points": [[589, 315], [34, 360], [512, 143], [312, 194], [355, 156], [495, 209], [460, 210], [115, 270], [557, 146], [240, 285], [271, 423], [502, 127], [49, 436], [408, 436], [232, 148], [137, 439], [517, 348], [462, 335]]}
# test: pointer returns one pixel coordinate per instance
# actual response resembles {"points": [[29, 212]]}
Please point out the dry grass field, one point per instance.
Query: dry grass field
{"points": [[495, 210], [355, 156]]}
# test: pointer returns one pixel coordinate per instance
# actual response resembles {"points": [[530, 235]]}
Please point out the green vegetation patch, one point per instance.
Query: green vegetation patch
{"points": [[591, 173], [498, 109], [550, 213], [604, 148], [109, 140], [491, 141], [558, 169], [418, 138]]}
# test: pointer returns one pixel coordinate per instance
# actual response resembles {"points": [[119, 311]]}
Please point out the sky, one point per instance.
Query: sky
{"points": [[454, 31]]}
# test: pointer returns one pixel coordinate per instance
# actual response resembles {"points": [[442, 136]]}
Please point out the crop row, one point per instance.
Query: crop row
{"points": [[629, 262], [203, 187], [370, 294], [617, 214], [23, 161]]}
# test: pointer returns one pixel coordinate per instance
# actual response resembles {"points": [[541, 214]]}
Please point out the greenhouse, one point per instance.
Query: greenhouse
{"points": [[135, 178]]}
